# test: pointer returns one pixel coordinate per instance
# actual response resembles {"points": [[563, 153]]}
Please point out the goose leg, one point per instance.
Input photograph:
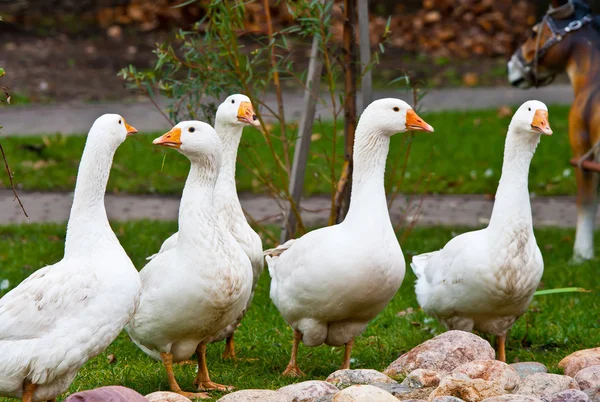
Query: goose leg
{"points": [[292, 369], [28, 391], [229, 352], [203, 379], [347, 353], [167, 360], [500, 347]]}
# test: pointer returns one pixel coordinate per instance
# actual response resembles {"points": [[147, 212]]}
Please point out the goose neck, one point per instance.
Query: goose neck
{"points": [[88, 223], [512, 203], [368, 190], [230, 136]]}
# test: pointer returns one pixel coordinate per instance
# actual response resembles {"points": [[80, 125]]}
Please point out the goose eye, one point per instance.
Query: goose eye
{"points": [[529, 109], [233, 101], [191, 129], [396, 109], [119, 121]]}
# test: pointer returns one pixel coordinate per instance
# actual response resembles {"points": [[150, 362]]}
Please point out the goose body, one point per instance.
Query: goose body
{"points": [[484, 280], [66, 313], [331, 282], [192, 292], [235, 112]]}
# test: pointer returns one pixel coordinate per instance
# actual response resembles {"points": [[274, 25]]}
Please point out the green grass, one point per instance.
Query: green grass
{"points": [[463, 156], [554, 326]]}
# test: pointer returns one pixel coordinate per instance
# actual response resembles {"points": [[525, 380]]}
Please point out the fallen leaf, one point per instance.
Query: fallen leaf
{"points": [[112, 359], [504, 111]]}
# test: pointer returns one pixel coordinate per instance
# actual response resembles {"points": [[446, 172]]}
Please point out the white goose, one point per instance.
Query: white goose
{"points": [[69, 312], [191, 292], [232, 115], [331, 282], [484, 280]]}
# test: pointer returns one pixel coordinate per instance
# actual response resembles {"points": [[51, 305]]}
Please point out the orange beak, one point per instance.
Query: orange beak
{"points": [[415, 123], [246, 114], [171, 139], [130, 129], [540, 122]]}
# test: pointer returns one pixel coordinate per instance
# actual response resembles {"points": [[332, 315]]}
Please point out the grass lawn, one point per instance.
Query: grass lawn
{"points": [[464, 155], [554, 326]]}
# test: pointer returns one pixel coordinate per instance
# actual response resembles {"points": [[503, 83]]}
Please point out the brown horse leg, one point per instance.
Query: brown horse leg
{"points": [[587, 186]]}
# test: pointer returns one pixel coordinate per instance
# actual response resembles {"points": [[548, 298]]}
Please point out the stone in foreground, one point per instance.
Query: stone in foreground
{"points": [[165, 396], [491, 370], [403, 392], [111, 393], [569, 395], [255, 395], [308, 391], [579, 360], [527, 368], [443, 354], [421, 378], [363, 393], [346, 378], [544, 385], [589, 377], [593, 394], [513, 398], [468, 389]]}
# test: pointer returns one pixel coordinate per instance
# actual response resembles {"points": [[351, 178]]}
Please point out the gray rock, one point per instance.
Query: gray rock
{"points": [[513, 398], [405, 393], [491, 370], [527, 368], [308, 391], [589, 377], [593, 394], [165, 396], [569, 395], [580, 360], [255, 395], [469, 389], [326, 398], [447, 399], [544, 384], [422, 378], [345, 378], [443, 354], [363, 393]]}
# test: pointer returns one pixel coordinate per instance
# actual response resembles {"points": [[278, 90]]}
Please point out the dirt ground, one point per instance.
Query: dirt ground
{"points": [[63, 68]]}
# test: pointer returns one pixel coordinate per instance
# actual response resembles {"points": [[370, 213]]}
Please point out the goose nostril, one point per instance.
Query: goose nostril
{"points": [[254, 117]]}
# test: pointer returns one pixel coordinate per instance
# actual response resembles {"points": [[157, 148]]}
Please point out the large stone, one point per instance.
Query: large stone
{"points": [[308, 391], [468, 389], [491, 370], [589, 377], [593, 394], [443, 354], [363, 393], [165, 396], [111, 393], [513, 398], [346, 378], [422, 378], [544, 384], [527, 368], [447, 399], [404, 393], [569, 395], [255, 395], [580, 360]]}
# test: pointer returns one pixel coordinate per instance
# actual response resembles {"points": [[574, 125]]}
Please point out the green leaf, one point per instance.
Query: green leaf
{"points": [[560, 290], [2, 72]]}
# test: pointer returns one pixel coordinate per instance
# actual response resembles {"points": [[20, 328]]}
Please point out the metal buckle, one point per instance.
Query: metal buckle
{"points": [[574, 26]]}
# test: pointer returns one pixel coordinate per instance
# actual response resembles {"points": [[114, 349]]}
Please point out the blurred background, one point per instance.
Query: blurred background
{"points": [[71, 50]]}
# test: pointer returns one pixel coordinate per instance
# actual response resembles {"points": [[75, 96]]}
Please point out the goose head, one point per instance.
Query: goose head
{"points": [[390, 116], [111, 129], [532, 118], [194, 139], [237, 110]]}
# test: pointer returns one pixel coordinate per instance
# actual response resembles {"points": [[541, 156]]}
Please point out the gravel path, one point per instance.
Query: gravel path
{"points": [[450, 210], [77, 118]]}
